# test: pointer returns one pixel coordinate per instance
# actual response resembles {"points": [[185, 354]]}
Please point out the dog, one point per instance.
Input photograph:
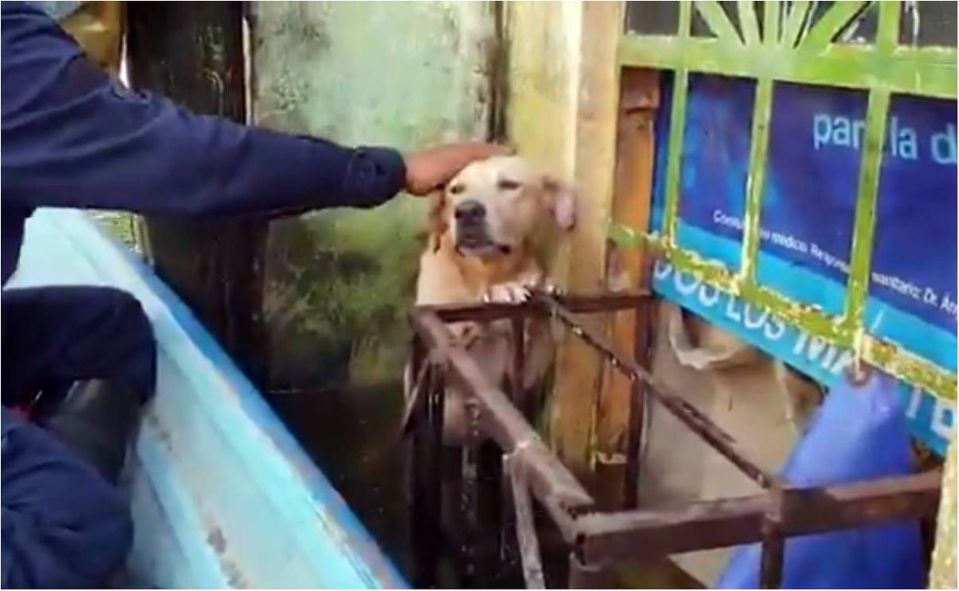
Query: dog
{"points": [[490, 233]]}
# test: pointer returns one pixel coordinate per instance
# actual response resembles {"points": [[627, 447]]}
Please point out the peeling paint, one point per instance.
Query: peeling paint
{"points": [[339, 282]]}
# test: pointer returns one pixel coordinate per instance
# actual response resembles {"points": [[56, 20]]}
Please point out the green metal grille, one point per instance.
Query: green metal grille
{"points": [[792, 47]]}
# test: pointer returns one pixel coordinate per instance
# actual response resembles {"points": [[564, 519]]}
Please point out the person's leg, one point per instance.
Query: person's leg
{"points": [[63, 526], [56, 336], [97, 421]]}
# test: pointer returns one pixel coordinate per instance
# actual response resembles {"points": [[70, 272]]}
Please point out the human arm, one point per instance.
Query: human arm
{"points": [[75, 138]]}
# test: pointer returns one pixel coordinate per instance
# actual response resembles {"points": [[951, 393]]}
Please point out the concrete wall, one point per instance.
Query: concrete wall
{"points": [[401, 74], [942, 575], [562, 100], [340, 282]]}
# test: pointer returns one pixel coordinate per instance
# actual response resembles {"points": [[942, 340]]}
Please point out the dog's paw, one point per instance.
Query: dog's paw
{"points": [[551, 289], [507, 293]]}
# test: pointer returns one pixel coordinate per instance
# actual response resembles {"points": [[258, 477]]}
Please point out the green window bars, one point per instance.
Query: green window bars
{"points": [[772, 42]]}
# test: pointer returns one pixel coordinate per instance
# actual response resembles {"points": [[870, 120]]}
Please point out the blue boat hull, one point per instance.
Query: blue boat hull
{"points": [[222, 494]]}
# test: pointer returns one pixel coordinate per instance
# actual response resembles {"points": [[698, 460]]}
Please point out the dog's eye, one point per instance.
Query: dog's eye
{"points": [[457, 189], [508, 185]]}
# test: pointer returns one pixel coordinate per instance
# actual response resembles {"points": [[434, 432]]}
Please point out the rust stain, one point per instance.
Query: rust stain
{"points": [[234, 575], [161, 432], [216, 539]]}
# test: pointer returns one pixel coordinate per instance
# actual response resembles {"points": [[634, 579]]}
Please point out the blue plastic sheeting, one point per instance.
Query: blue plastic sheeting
{"points": [[222, 494], [860, 433]]}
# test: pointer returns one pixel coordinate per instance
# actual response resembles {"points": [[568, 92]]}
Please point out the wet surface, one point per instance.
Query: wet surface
{"points": [[352, 433]]}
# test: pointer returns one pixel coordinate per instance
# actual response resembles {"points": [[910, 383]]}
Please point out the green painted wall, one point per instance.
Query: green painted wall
{"points": [[405, 74], [340, 282]]}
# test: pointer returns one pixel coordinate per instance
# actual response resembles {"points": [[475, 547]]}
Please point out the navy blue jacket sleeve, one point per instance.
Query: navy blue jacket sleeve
{"points": [[63, 525], [73, 137]]}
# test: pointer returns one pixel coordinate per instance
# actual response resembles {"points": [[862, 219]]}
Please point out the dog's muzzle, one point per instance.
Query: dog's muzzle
{"points": [[471, 230]]}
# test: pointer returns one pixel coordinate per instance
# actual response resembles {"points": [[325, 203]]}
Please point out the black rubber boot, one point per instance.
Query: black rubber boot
{"points": [[97, 420]]}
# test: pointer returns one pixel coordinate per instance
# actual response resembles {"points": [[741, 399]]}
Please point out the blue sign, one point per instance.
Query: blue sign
{"points": [[807, 220]]}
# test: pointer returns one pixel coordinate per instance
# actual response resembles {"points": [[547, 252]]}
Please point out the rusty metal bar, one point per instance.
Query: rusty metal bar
{"points": [[610, 302], [638, 534], [519, 353], [599, 538], [419, 368], [563, 518], [637, 404], [434, 412], [525, 526], [773, 544], [503, 422], [425, 480], [771, 558], [720, 440], [809, 510], [588, 576]]}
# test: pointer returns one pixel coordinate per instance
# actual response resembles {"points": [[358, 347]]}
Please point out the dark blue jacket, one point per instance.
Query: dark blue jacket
{"points": [[73, 137], [63, 525]]}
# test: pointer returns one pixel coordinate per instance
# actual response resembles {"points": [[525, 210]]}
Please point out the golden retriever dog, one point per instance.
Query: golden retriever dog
{"points": [[490, 232]]}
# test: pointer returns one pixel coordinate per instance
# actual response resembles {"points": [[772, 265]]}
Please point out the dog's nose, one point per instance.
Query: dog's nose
{"points": [[470, 211]]}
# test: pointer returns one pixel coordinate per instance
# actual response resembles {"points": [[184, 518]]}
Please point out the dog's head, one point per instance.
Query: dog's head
{"points": [[494, 207]]}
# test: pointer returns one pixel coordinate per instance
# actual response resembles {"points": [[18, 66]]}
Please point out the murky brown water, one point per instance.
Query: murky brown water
{"points": [[352, 434]]}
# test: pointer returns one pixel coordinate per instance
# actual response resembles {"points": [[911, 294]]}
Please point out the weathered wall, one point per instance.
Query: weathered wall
{"points": [[561, 113], [339, 283], [400, 74], [942, 575], [542, 57]]}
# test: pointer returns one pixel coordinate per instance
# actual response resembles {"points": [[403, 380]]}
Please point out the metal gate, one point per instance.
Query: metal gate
{"points": [[771, 43]]}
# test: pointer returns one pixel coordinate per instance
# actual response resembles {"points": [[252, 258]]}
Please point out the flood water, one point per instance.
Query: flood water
{"points": [[352, 433]]}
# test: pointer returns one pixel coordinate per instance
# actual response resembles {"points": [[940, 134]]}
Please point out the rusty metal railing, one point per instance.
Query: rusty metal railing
{"points": [[596, 539]]}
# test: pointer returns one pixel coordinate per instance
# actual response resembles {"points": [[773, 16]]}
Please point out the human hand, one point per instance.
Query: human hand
{"points": [[428, 170]]}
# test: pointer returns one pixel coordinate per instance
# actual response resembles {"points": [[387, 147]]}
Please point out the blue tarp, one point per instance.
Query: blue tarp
{"points": [[860, 433]]}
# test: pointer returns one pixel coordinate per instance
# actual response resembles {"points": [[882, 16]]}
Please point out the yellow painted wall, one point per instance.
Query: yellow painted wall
{"points": [[98, 28], [942, 575], [561, 113]]}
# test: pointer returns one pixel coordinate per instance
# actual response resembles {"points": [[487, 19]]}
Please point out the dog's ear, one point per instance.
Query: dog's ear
{"points": [[562, 199], [436, 224]]}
